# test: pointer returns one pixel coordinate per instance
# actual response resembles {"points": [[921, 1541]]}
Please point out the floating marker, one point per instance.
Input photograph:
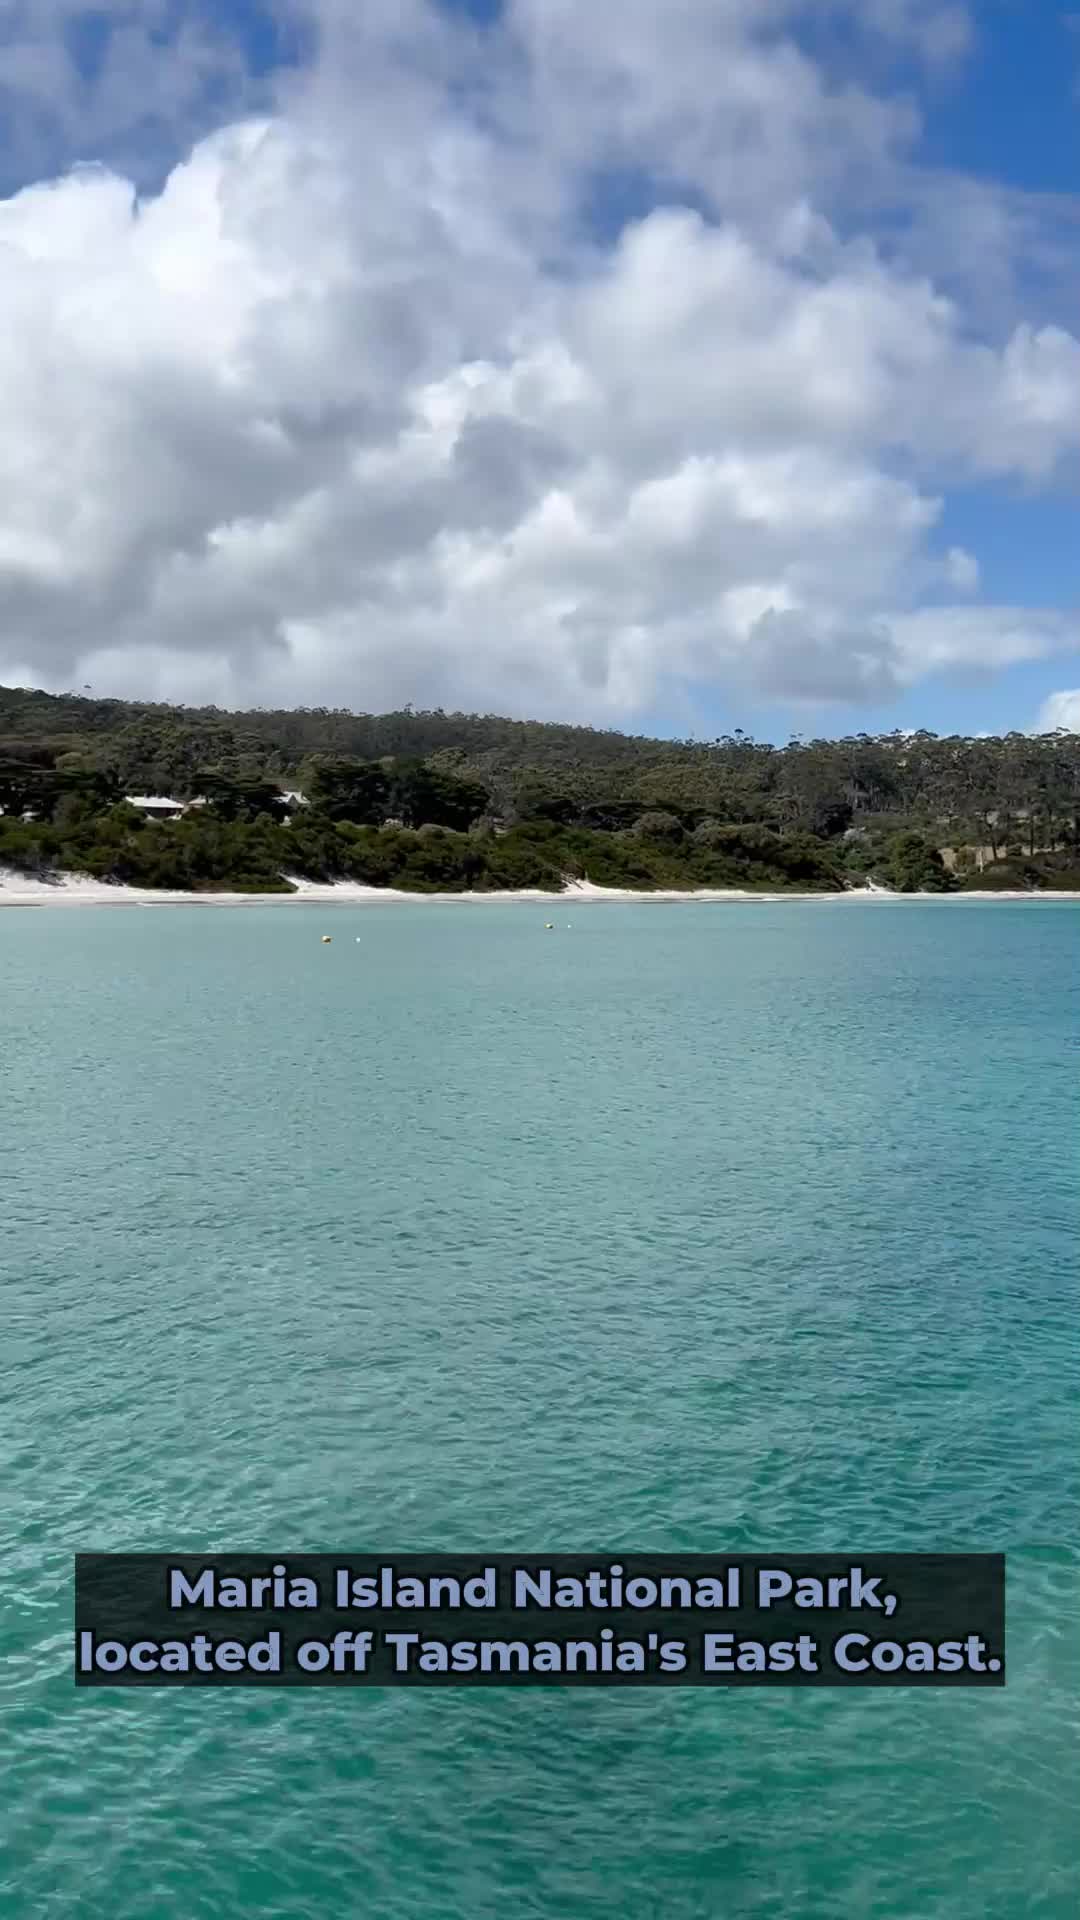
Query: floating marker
{"points": [[326, 939]]}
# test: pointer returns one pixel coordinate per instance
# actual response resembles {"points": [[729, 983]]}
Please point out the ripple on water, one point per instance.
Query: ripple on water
{"points": [[714, 1232]]}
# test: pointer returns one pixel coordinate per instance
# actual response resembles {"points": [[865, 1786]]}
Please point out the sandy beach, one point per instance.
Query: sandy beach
{"points": [[76, 890]]}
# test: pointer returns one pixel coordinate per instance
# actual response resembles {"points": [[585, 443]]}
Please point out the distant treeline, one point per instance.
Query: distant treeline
{"points": [[437, 800]]}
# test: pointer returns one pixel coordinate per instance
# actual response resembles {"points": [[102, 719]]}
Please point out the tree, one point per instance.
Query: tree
{"points": [[658, 826], [29, 788], [232, 799], [610, 816], [535, 798], [422, 796], [354, 790], [96, 788], [914, 865]]}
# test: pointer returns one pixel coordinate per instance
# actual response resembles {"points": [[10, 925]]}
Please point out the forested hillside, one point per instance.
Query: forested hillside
{"points": [[438, 799]]}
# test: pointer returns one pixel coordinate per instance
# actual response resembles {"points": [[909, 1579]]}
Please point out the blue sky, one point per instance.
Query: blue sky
{"points": [[1011, 114], [643, 553]]}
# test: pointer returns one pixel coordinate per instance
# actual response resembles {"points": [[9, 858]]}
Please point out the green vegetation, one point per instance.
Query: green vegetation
{"points": [[440, 802], [914, 865]]}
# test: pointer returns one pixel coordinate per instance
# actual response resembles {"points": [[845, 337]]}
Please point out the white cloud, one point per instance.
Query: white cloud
{"points": [[962, 570], [131, 80], [941, 33], [979, 639], [1060, 710], [353, 410]]}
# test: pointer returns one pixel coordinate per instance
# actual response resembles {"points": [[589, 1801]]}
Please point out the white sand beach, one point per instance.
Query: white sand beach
{"points": [[78, 890]]}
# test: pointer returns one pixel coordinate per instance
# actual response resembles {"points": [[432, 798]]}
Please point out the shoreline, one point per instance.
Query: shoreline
{"points": [[69, 890]]}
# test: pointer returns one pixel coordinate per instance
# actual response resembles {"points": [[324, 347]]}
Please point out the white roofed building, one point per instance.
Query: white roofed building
{"points": [[156, 806]]}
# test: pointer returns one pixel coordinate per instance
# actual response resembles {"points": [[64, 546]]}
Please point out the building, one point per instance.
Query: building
{"points": [[155, 806]]}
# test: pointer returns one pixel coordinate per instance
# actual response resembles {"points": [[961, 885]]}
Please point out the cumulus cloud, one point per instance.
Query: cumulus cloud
{"points": [[360, 407], [1060, 710]]}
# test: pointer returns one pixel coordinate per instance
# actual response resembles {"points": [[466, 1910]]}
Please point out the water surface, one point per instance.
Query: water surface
{"points": [[716, 1229]]}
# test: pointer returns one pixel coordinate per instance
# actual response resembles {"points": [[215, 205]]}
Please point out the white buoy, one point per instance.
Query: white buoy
{"points": [[326, 939]]}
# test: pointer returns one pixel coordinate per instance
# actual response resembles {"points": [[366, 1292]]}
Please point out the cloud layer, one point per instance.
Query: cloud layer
{"points": [[413, 390]]}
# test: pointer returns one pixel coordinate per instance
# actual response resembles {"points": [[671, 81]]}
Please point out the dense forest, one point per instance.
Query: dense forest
{"points": [[442, 801]]}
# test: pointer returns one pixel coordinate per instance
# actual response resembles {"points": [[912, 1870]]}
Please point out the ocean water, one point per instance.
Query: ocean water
{"points": [[700, 1228]]}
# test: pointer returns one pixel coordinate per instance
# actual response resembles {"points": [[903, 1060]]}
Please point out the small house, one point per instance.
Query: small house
{"points": [[155, 806]]}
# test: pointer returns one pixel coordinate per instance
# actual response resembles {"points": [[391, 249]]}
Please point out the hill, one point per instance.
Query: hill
{"points": [[524, 797]]}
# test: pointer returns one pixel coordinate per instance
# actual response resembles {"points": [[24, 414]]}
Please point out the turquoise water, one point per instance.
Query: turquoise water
{"points": [[699, 1228]]}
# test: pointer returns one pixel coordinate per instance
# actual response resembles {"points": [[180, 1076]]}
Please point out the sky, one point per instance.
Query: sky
{"points": [[665, 366]]}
